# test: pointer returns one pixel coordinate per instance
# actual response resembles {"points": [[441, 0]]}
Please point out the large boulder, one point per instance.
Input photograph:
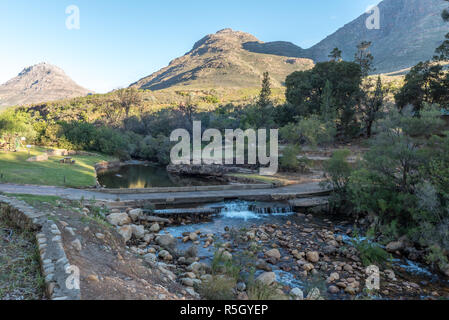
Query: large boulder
{"points": [[273, 253], [191, 252], [166, 241], [267, 278], [135, 214], [126, 232], [155, 227], [150, 258], [395, 246], [165, 255], [138, 231], [118, 219], [313, 256], [314, 294], [297, 294]]}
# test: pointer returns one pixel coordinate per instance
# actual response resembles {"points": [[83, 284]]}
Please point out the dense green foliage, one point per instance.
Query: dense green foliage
{"points": [[402, 180], [306, 91], [425, 83], [15, 125]]}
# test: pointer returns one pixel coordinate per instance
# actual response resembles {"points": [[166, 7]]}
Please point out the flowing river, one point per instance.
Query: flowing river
{"points": [[246, 215]]}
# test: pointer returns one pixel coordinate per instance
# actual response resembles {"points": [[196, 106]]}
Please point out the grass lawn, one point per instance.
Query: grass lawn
{"points": [[15, 169]]}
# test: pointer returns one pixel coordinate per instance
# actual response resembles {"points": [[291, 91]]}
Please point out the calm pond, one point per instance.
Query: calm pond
{"points": [[148, 176]]}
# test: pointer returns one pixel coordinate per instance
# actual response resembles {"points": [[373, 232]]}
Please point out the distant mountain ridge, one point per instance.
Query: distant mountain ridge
{"points": [[39, 83], [410, 30]]}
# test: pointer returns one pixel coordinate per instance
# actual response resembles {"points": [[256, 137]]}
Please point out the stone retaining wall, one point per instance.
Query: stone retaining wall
{"points": [[55, 266]]}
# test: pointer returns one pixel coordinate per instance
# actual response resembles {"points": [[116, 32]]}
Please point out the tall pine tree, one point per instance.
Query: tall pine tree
{"points": [[364, 58], [265, 92], [335, 55]]}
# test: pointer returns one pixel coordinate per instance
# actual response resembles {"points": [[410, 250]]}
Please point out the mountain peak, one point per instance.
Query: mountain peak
{"points": [[39, 83], [41, 67], [222, 60], [224, 39]]}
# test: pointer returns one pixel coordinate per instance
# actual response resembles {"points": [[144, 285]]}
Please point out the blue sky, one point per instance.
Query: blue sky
{"points": [[122, 41]]}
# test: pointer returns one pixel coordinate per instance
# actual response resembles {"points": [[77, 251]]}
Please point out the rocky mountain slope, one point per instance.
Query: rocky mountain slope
{"points": [[39, 83], [220, 60], [409, 32]]}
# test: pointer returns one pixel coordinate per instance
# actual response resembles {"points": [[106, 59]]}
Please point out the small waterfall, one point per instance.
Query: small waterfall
{"points": [[273, 209], [250, 210]]}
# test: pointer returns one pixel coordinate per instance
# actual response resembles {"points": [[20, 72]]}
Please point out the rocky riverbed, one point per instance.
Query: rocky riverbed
{"points": [[301, 256]]}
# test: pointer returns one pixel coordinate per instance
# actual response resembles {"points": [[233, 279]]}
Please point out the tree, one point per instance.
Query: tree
{"points": [[127, 98], [364, 58], [14, 125], [306, 91], [265, 92], [425, 83], [335, 55], [327, 108], [391, 171], [371, 104]]}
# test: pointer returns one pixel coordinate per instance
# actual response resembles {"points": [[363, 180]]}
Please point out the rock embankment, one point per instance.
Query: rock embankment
{"points": [[206, 170]]}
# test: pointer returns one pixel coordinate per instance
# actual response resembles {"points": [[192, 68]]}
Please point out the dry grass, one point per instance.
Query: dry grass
{"points": [[20, 277]]}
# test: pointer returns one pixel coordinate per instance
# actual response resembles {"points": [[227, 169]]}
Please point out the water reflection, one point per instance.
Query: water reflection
{"points": [[148, 176]]}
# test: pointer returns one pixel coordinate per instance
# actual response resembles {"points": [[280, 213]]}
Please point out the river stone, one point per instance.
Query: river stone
{"points": [[395, 246], [77, 244], [195, 267], [188, 282], [193, 236], [190, 275], [207, 277], [390, 274], [267, 278], [150, 258], [135, 214], [166, 241], [263, 265], [313, 256], [155, 227], [118, 219], [314, 294], [297, 293], [241, 286], [191, 252], [225, 255], [99, 236], [333, 290], [351, 290], [164, 254], [273, 253], [126, 232], [138, 231], [308, 267], [333, 277]]}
